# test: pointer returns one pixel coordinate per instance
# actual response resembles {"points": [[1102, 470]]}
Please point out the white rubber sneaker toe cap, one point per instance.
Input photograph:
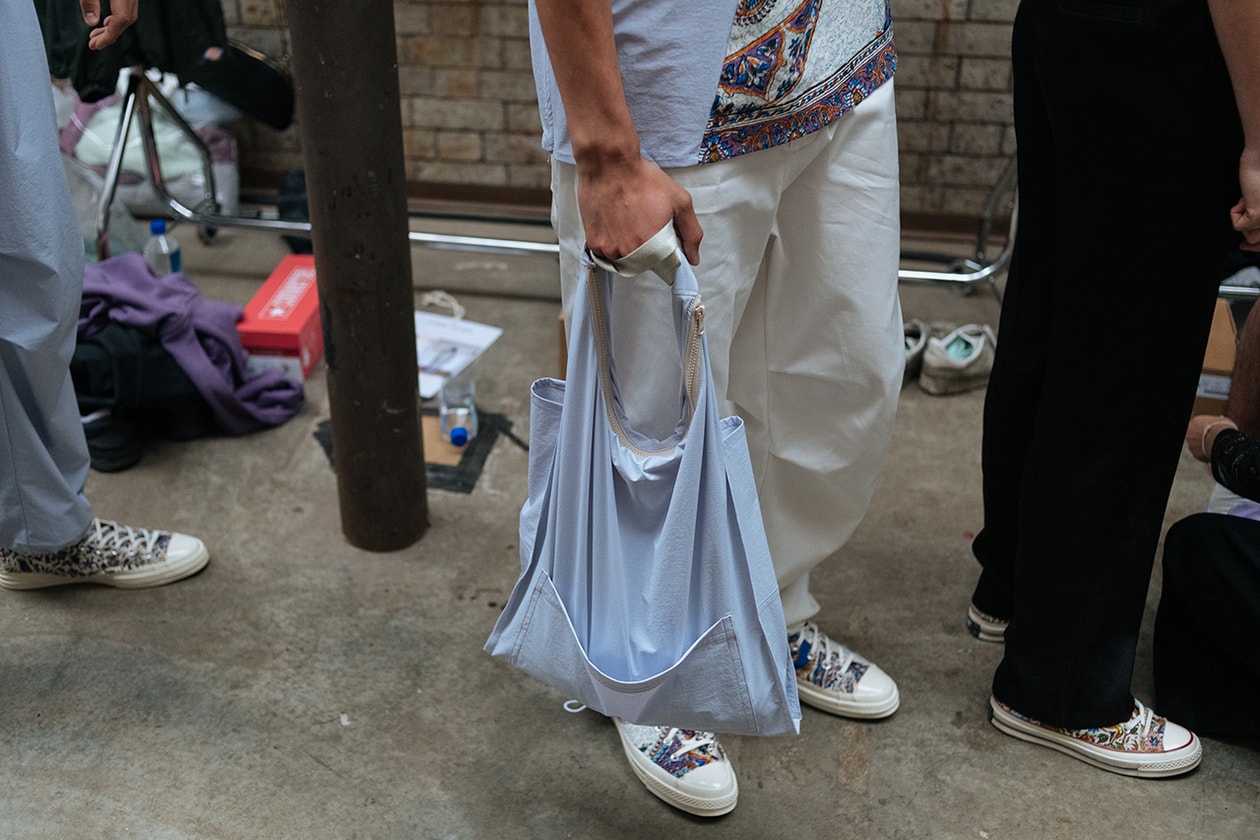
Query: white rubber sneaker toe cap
{"points": [[875, 696]]}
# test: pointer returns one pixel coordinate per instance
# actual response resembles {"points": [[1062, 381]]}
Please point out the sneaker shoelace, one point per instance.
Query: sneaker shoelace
{"points": [[703, 747], [1140, 724], [113, 546], [679, 751], [110, 536], [107, 547], [1143, 732], [694, 742], [834, 665]]}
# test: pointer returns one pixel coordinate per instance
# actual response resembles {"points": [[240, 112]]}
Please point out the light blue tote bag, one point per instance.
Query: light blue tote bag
{"points": [[646, 590]]}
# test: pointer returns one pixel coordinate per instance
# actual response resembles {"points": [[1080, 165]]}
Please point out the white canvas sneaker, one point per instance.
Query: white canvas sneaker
{"points": [[916, 336], [687, 769], [110, 555], [1147, 745], [834, 679], [985, 627], [958, 361]]}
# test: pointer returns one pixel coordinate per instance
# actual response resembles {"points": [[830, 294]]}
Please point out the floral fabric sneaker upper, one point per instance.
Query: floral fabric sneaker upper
{"points": [[110, 554], [824, 662], [1146, 745], [685, 768], [676, 751], [985, 627], [834, 679], [1142, 732]]}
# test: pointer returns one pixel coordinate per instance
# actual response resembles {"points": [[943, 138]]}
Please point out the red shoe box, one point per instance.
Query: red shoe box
{"points": [[281, 326]]}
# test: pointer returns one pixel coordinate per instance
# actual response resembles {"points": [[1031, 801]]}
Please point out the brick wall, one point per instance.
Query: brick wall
{"points": [[470, 122], [264, 153], [953, 102]]}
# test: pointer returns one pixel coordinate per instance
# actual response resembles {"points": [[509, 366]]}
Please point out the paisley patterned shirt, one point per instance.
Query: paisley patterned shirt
{"points": [[781, 68], [794, 66]]}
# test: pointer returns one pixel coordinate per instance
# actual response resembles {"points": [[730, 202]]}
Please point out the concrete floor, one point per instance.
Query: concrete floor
{"points": [[301, 688]]}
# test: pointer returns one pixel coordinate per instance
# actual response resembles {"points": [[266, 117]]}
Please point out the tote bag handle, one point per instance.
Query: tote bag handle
{"points": [[660, 255]]}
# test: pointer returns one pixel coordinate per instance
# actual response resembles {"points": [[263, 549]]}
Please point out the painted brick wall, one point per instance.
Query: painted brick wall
{"points": [[470, 120]]}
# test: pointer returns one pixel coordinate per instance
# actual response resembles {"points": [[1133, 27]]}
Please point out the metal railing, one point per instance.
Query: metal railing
{"points": [[142, 94]]}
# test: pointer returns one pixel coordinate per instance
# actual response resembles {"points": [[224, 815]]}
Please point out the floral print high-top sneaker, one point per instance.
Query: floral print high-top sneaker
{"points": [[1146, 745], [110, 554]]}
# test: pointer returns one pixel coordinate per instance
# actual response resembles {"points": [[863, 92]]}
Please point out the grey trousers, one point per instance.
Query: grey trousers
{"points": [[43, 454]]}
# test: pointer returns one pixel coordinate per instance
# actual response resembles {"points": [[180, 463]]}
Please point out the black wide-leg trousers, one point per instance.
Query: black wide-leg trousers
{"points": [[1128, 143], [1207, 673]]}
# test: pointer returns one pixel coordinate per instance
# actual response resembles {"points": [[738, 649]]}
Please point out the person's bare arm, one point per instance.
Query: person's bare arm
{"points": [[1202, 432], [1237, 24], [122, 13], [623, 198]]}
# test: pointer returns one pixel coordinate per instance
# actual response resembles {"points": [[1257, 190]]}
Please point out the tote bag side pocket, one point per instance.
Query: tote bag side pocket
{"points": [[546, 401], [544, 644]]}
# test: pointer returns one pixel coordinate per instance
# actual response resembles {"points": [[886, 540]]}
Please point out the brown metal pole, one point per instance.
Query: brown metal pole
{"points": [[346, 76]]}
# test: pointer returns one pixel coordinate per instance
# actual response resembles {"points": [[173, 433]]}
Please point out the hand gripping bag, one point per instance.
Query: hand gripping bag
{"points": [[646, 590]]}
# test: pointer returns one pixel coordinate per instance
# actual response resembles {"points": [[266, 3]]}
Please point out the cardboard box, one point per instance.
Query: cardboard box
{"points": [[281, 326], [1218, 362]]}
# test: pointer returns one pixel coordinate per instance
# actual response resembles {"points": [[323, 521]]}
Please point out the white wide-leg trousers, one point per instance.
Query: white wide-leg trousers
{"points": [[798, 274]]}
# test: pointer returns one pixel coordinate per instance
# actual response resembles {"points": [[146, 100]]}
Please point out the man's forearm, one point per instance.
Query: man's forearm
{"points": [[1243, 406], [623, 198], [580, 42], [1237, 24]]}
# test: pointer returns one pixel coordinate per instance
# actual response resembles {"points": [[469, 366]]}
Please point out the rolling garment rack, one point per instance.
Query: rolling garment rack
{"points": [[965, 273], [139, 99]]}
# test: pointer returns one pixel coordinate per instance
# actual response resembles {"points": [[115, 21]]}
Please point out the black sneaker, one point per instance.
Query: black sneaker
{"points": [[112, 442]]}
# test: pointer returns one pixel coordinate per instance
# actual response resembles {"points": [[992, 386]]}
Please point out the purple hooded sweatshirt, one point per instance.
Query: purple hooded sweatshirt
{"points": [[199, 334]]}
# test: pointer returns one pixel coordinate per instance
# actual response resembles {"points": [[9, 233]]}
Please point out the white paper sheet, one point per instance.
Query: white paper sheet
{"points": [[445, 346]]}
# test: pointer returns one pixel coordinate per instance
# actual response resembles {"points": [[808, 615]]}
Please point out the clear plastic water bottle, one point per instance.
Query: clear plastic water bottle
{"points": [[161, 252], [458, 410]]}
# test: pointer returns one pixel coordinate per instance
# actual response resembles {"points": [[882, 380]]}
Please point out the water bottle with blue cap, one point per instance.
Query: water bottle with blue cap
{"points": [[458, 410], [161, 252]]}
